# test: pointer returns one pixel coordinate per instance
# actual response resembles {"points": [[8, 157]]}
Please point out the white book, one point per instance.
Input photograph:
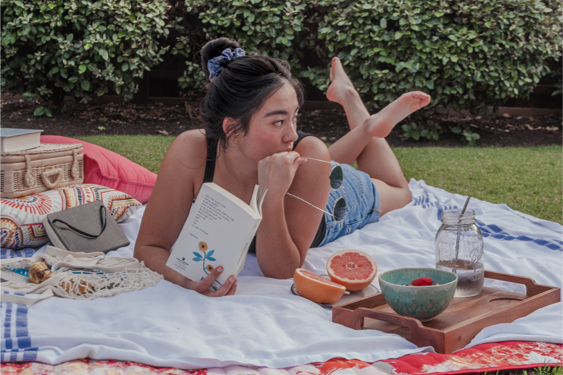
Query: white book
{"points": [[217, 232], [12, 140]]}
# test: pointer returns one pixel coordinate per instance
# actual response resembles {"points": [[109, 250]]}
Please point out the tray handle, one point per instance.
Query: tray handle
{"points": [[531, 287], [420, 335], [390, 317]]}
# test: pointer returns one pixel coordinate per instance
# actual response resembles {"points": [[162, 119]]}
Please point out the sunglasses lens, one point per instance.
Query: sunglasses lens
{"points": [[336, 177], [339, 209]]}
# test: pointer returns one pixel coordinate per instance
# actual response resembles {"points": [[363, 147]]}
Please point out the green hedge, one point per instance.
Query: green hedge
{"points": [[78, 47], [466, 54], [463, 53], [267, 27]]}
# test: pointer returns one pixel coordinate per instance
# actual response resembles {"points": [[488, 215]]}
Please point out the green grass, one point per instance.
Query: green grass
{"points": [[527, 179], [544, 370], [557, 370], [146, 150]]}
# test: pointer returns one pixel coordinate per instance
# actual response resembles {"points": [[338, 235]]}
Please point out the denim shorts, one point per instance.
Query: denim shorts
{"points": [[362, 204]]}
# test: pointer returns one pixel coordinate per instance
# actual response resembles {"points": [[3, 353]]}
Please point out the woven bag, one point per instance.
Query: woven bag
{"points": [[46, 167], [79, 275]]}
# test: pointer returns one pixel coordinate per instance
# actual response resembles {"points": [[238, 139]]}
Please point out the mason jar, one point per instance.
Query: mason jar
{"points": [[459, 249]]}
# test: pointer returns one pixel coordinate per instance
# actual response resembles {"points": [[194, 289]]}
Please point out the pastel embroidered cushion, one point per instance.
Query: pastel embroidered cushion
{"points": [[107, 168], [20, 220]]}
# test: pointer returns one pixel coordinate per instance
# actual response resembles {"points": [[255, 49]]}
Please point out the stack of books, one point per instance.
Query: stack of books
{"points": [[12, 140]]}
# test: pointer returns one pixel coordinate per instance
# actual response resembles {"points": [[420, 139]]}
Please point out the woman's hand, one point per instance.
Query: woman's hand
{"points": [[276, 172], [227, 289]]}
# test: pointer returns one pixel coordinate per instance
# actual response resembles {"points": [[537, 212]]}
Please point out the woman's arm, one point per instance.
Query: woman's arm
{"points": [[289, 225], [179, 179]]}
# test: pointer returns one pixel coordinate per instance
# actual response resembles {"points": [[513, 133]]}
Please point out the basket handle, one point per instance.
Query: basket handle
{"points": [[74, 172], [28, 178], [45, 177]]}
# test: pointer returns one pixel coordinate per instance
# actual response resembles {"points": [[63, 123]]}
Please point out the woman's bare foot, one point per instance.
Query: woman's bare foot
{"points": [[381, 124], [341, 88]]}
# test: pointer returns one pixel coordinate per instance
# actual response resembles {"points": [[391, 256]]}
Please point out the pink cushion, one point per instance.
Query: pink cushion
{"points": [[106, 168]]}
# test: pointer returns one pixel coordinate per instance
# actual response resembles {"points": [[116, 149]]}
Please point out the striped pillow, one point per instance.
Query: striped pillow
{"points": [[20, 219]]}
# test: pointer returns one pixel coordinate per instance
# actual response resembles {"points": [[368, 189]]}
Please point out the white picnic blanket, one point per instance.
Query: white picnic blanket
{"points": [[264, 324]]}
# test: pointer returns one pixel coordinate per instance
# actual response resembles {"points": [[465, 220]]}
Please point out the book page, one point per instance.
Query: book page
{"points": [[211, 210], [234, 199], [215, 234], [257, 199]]}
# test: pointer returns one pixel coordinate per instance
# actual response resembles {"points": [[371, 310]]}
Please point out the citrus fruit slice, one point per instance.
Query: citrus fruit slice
{"points": [[352, 268], [316, 288]]}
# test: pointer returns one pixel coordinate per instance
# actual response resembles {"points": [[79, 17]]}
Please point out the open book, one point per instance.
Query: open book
{"points": [[218, 232]]}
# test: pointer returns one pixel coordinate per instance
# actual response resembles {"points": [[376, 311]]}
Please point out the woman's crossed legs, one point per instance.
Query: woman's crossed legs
{"points": [[365, 142]]}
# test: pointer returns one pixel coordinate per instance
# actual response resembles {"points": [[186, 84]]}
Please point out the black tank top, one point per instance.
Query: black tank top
{"points": [[210, 171]]}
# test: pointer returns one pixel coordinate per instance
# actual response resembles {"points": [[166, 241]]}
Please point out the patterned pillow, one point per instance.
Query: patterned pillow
{"points": [[20, 219]]}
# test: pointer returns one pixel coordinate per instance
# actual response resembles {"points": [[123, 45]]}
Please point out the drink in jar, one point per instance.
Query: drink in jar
{"points": [[470, 277], [459, 249]]}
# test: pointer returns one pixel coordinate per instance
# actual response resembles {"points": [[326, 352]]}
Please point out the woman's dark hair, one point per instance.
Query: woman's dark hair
{"points": [[241, 88]]}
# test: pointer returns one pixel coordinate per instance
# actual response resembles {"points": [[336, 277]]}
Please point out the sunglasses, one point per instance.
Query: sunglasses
{"points": [[336, 178]]}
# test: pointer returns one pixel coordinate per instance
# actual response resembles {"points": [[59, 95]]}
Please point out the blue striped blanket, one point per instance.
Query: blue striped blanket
{"points": [[264, 324]]}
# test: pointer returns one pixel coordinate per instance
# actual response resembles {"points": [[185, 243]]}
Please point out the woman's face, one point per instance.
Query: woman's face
{"points": [[273, 127]]}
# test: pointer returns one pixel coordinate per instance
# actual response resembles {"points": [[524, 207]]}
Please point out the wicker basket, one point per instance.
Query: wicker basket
{"points": [[48, 166]]}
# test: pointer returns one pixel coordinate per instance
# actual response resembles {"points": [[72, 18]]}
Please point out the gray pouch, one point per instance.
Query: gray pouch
{"points": [[86, 228]]}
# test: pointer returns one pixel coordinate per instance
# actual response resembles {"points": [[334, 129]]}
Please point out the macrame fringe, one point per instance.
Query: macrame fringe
{"points": [[102, 277]]}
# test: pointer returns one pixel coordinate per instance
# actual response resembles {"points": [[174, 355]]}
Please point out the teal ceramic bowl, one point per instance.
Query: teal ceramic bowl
{"points": [[420, 302]]}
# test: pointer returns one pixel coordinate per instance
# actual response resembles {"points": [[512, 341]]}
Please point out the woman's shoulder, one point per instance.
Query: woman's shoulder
{"points": [[182, 169], [189, 148], [194, 138], [311, 146], [312, 171]]}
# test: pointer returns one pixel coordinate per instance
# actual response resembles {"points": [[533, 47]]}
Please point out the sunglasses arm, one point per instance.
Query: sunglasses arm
{"points": [[303, 200], [324, 161]]}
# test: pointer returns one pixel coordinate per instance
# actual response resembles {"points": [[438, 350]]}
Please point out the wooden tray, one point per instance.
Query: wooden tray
{"points": [[459, 323]]}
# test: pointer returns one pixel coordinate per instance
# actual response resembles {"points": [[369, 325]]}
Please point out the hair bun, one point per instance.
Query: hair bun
{"points": [[214, 48]]}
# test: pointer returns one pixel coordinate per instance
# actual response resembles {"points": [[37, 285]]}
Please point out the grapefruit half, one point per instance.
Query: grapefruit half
{"points": [[352, 268], [316, 288]]}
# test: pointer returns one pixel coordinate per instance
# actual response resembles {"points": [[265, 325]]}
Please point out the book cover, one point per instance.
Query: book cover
{"points": [[12, 140], [217, 232]]}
